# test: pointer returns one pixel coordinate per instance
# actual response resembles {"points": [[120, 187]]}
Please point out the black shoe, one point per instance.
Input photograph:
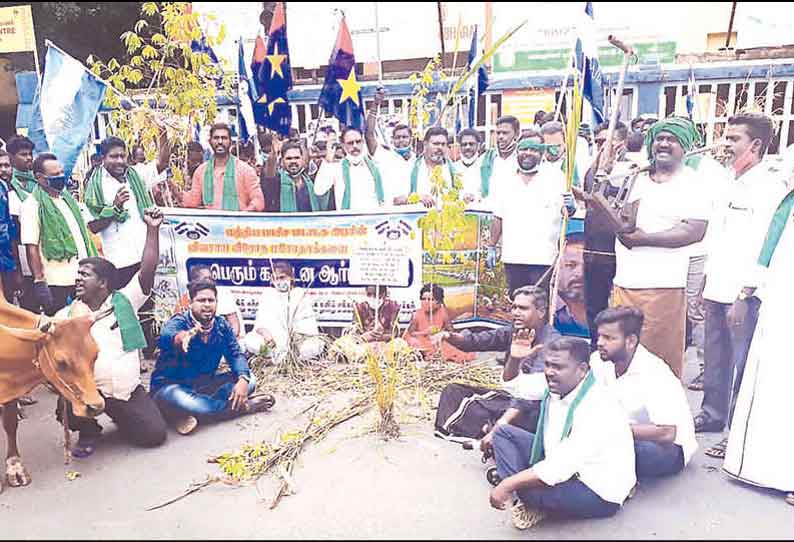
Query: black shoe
{"points": [[705, 424]]}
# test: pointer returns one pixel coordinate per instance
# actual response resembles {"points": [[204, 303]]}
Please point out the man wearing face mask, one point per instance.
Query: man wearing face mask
{"points": [[498, 165], [470, 164], [285, 319], [401, 139], [117, 194], [295, 186], [436, 154], [55, 235], [667, 211], [528, 221], [554, 135], [732, 275]]}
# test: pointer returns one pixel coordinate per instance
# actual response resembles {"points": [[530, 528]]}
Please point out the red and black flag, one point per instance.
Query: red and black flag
{"points": [[341, 94]]}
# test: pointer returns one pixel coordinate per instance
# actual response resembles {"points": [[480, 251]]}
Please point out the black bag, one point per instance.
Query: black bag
{"points": [[463, 410]]}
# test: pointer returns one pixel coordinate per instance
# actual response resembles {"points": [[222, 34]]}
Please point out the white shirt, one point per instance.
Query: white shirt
{"points": [[714, 182], [56, 273], [275, 314], [424, 185], [600, 447], [662, 206], [228, 305], [737, 233], [363, 195], [650, 393], [531, 216], [123, 242], [15, 209], [117, 373]]}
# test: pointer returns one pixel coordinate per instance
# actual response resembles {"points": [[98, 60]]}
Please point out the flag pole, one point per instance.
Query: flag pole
{"points": [[377, 44], [628, 52]]}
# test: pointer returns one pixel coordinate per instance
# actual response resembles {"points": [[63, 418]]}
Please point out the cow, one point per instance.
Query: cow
{"points": [[33, 350]]}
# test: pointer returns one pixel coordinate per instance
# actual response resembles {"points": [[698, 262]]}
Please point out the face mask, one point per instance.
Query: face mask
{"points": [[373, 302], [468, 161], [510, 146], [405, 153], [57, 183], [355, 160], [282, 286], [744, 161]]}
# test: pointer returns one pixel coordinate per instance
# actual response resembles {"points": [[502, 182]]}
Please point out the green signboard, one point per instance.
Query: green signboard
{"points": [[558, 59]]}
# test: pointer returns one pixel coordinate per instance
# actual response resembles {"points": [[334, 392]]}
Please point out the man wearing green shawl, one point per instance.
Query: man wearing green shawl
{"points": [[294, 186], [528, 216], [498, 165], [420, 185], [224, 183], [668, 211], [117, 194], [54, 233], [120, 337], [580, 460]]}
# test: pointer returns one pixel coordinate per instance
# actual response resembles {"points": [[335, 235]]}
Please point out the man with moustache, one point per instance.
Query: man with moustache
{"points": [[436, 154], [224, 182], [498, 165], [295, 187]]}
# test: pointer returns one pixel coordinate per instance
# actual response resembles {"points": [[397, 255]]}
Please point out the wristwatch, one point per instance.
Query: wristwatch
{"points": [[245, 377]]}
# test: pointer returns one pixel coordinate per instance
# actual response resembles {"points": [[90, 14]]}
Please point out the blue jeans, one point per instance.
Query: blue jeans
{"points": [[512, 447], [207, 399], [654, 459]]}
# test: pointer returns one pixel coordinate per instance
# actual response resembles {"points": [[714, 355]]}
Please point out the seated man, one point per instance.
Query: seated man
{"points": [[580, 460], [184, 382], [650, 394], [523, 343], [119, 337], [382, 328], [285, 319]]}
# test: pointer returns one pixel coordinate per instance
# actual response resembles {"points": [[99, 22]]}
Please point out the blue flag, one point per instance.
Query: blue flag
{"points": [[246, 95], [481, 84], [341, 94], [259, 104], [691, 91], [274, 77], [65, 108], [587, 64]]}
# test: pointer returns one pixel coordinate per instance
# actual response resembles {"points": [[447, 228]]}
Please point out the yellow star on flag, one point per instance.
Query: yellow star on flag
{"points": [[273, 104], [275, 62], [262, 99], [350, 87]]}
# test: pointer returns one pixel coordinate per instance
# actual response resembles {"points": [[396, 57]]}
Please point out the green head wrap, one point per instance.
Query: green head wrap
{"points": [[683, 130], [531, 144]]}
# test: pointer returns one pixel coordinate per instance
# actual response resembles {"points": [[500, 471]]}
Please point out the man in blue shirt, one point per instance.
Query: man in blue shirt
{"points": [[10, 278], [184, 382]]}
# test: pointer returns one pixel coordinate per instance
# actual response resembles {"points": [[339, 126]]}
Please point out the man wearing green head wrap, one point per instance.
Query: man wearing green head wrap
{"points": [[527, 217], [668, 211]]}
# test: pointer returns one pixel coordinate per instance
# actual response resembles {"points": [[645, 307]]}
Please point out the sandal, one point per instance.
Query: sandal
{"points": [[790, 498], [718, 450], [697, 383], [85, 447]]}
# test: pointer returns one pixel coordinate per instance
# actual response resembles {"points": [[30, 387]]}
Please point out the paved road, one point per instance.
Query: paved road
{"points": [[349, 487]]}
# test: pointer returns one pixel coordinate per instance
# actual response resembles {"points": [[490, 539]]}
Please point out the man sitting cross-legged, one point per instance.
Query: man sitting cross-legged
{"points": [[580, 460], [649, 392], [184, 382], [119, 337]]}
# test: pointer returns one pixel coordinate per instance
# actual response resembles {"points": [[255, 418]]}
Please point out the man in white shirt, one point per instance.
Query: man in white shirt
{"points": [[499, 165], [285, 320], [667, 212], [470, 166], [119, 337], [54, 232], [528, 217], [580, 461], [650, 394], [732, 273], [420, 187], [116, 195]]}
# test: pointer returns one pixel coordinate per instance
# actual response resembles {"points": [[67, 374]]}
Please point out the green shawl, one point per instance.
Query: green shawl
{"points": [[538, 449], [486, 170], [415, 173], [289, 199], [55, 239], [775, 232], [230, 200], [95, 196], [24, 182], [132, 337], [374, 171]]}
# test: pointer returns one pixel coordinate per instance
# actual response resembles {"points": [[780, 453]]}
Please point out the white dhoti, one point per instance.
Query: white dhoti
{"points": [[762, 433]]}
